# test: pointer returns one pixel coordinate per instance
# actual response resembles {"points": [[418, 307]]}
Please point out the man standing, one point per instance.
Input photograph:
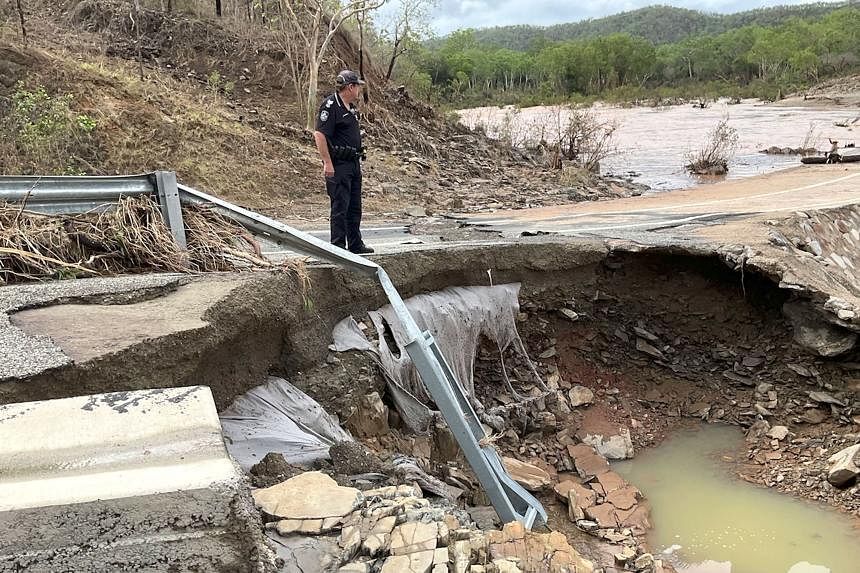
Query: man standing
{"points": [[338, 140]]}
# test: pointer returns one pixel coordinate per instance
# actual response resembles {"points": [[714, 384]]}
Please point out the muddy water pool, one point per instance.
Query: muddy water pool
{"points": [[706, 521], [652, 143]]}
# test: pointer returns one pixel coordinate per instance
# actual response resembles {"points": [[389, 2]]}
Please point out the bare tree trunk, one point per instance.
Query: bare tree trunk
{"points": [[365, 93], [21, 18], [218, 8], [169, 6], [135, 20]]}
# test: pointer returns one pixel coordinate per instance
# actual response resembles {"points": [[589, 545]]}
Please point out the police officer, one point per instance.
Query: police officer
{"points": [[338, 140]]}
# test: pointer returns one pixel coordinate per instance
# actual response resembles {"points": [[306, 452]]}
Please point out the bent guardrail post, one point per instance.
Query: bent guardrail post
{"points": [[510, 500]]}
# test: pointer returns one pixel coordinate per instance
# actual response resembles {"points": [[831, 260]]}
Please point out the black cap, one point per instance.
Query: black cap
{"points": [[347, 77]]}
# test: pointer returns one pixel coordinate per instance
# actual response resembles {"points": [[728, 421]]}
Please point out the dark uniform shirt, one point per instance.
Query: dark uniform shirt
{"points": [[339, 123]]}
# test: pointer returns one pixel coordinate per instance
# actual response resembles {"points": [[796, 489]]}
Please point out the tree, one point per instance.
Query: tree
{"points": [[313, 27], [21, 18], [406, 28]]}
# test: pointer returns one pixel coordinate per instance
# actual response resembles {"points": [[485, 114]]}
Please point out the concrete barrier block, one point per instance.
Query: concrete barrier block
{"points": [[124, 481]]}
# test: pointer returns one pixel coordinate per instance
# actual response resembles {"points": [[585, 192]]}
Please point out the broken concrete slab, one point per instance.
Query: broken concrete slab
{"points": [[79, 329], [311, 495], [420, 562], [412, 537], [123, 480]]}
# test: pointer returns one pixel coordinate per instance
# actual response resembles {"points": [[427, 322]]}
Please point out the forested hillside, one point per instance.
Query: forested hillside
{"points": [[657, 24], [745, 61]]}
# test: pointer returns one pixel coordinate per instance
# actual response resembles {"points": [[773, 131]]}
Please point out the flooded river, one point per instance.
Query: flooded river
{"points": [[653, 143], [705, 521]]}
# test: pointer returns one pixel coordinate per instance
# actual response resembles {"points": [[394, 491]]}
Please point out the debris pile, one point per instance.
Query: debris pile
{"points": [[394, 529], [130, 238]]}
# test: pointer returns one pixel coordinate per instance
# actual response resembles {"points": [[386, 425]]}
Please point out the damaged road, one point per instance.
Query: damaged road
{"points": [[751, 323]]}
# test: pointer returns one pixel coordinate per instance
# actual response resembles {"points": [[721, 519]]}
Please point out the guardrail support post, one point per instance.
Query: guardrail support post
{"points": [[171, 209]]}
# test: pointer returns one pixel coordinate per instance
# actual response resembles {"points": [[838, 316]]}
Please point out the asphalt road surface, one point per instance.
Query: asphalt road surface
{"points": [[652, 218]]}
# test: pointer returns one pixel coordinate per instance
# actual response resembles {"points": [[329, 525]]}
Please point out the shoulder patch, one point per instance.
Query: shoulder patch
{"points": [[323, 115], [329, 102]]}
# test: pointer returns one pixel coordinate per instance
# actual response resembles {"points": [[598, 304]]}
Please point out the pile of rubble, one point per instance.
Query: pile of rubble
{"points": [[321, 526]]}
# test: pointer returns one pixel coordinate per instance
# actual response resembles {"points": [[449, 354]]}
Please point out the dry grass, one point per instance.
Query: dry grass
{"points": [[130, 238]]}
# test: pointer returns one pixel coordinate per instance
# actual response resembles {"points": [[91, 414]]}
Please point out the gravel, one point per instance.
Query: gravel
{"points": [[23, 355]]}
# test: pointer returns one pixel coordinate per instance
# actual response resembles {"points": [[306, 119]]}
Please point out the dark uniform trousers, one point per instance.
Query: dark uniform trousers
{"points": [[344, 190]]}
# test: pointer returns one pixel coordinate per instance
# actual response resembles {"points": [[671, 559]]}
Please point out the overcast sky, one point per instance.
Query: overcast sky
{"points": [[455, 14]]}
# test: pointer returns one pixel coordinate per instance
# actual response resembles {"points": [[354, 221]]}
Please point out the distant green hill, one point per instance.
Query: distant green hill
{"points": [[659, 24]]}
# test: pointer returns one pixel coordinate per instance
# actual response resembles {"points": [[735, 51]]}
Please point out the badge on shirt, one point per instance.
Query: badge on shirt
{"points": [[323, 115]]}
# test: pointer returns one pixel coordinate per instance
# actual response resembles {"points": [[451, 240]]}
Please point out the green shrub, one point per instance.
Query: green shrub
{"points": [[41, 134]]}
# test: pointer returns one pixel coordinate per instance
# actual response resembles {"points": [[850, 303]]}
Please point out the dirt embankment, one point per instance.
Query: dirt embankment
{"points": [[215, 104], [835, 93]]}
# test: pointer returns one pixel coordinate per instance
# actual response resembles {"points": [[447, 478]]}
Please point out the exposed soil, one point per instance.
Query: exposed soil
{"points": [[247, 143]]}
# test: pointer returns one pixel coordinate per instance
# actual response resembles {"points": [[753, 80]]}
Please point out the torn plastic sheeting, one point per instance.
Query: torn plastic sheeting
{"points": [[457, 317], [278, 417]]}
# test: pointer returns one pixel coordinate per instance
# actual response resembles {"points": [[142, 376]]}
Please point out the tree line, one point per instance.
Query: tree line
{"points": [[749, 60], [660, 24]]}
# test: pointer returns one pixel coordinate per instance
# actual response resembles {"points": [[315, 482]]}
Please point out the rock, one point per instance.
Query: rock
{"points": [[814, 416], [580, 396], [611, 481], [643, 562], [758, 430], [379, 535], [642, 333], [625, 555], [825, 398], [370, 417], [588, 463], [350, 540], [813, 332], [643, 346], [413, 537], [778, 432], [311, 495], [415, 211], [460, 556], [506, 566], [548, 353], [569, 314], [603, 514], [527, 475], [844, 466], [532, 551], [618, 447], [355, 568], [420, 562], [800, 370], [484, 516], [624, 498], [575, 511]]}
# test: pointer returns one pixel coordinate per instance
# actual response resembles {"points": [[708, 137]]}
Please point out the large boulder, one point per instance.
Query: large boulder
{"points": [[844, 466], [813, 332]]}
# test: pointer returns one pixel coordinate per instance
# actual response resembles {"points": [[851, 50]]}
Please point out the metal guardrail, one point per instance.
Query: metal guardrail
{"points": [[56, 195]]}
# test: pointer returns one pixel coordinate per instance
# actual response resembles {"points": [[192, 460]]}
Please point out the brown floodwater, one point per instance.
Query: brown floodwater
{"points": [[651, 144]]}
